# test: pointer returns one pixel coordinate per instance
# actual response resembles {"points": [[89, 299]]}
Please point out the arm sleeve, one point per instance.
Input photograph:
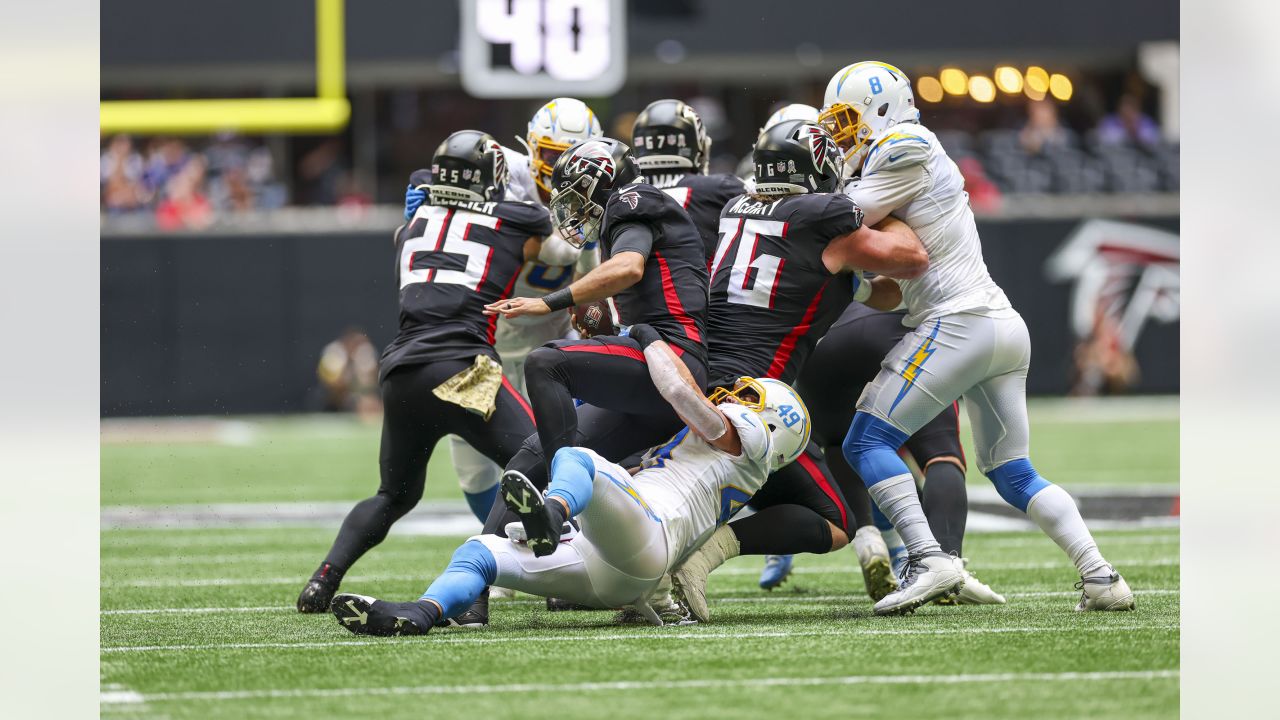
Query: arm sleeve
{"points": [[688, 403], [632, 237], [887, 189], [555, 251]]}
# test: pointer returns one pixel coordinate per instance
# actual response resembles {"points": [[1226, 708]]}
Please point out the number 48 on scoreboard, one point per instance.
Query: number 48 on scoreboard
{"points": [[543, 48]]}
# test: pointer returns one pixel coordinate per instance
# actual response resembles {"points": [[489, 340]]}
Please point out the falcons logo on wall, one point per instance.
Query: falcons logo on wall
{"points": [[1125, 276]]}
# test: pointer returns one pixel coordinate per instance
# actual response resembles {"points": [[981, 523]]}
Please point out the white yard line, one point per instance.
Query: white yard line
{"points": [[762, 598], [691, 684], [480, 638], [225, 582]]}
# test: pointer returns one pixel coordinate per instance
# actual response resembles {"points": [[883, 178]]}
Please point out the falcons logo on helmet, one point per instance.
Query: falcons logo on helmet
{"points": [[818, 140], [593, 158], [499, 163]]}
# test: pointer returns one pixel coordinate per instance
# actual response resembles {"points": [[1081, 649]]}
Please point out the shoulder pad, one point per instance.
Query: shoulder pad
{"points": [[906, 145], [525, 215], [637, 201]]}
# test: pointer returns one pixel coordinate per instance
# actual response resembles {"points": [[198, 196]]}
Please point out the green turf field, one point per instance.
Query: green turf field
{"points": [[197, 623]]}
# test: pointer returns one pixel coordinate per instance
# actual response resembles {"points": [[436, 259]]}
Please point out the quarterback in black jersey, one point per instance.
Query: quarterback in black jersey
{"points": [[672, 149], [652, 266], [778, 280], [458, 253]]}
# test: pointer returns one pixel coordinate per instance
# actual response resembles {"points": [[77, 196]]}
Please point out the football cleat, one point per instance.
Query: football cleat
{"points": [[777, 568], [561, 605], [974, 591], [364, 615], [498, 593], [924, 578], [542, 525], [689, 586], [475, 617], [1104, 592], [319, 590], [873, 556], [668, 610]]}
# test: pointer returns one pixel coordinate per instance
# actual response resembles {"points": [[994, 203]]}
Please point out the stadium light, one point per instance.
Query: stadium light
{"points": [[929, 89], [328, 112], [1060, 86], [1037, 79], [1009, 79], [981, 88], [954, 81]]}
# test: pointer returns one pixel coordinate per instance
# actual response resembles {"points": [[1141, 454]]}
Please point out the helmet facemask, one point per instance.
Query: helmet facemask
{"points": [[747, 392], [575, 215], [845, 124], [543, 153]]}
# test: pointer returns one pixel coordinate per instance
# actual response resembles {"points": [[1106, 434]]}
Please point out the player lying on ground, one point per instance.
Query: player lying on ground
{"points": [[967, 341], [634, 529]]}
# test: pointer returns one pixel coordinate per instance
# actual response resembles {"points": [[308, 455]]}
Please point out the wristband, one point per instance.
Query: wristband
{"points": [[644, 334], [559, 300], [861, 287]]}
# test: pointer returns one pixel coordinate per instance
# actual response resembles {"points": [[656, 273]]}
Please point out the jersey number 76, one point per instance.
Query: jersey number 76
{"points": [[745, 287]]}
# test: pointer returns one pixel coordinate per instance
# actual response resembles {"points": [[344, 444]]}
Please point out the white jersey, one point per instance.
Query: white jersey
{"points": [[695, 488], [907, 174]]}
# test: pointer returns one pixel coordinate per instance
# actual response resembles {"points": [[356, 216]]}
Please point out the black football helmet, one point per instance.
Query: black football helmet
{"points": [[796, 157], [583, 179], [469, 166], [668, 134]]}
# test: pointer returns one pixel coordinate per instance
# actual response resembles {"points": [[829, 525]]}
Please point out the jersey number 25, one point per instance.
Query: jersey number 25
{"points": [[446, 232]]}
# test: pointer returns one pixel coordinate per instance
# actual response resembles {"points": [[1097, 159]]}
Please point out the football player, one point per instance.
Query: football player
{"points": [[965, 340], [843, 362], [634, 527], [793, 111], [461, 251], [552, 129], [673, 151], [777, 284]]}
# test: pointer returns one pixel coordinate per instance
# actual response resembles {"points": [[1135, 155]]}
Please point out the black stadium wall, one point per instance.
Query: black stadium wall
{"points": [[231, 324]]}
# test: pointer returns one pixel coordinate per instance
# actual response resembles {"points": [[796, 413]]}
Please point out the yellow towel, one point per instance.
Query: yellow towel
{"points": [[475, 388]]}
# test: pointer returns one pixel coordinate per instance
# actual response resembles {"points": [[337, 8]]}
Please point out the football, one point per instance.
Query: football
{"points": [[593, 319]]}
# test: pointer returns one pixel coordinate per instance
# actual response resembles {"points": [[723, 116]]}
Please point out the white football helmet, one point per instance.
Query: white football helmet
{"points": [[781, 409], [862, 101], [554, 128], [794, 111]]}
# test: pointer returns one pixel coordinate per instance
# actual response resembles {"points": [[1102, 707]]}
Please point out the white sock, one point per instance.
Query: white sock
{"points": [[898, 501], [1056, 513], [891, 538]]}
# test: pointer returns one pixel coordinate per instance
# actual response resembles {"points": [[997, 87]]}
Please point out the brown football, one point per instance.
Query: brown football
{"points": [[593, 319]]}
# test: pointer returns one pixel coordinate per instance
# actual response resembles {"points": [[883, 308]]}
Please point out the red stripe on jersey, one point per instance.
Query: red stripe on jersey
{"points": [[444, 226], [815, 472], [746, 273], [506, 293], [719, 258], [488, 259], [788, 344], [619, 350], [777, 280], [520, 399], [674, 306]]}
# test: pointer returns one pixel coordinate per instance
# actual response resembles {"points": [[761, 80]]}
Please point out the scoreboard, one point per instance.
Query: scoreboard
{"points": [[542, 48]]}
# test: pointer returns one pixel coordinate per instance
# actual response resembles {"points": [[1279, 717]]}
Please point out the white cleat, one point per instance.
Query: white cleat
{"points": [[976, 592], [873, 556], [689, 586], [1104, 592], [499, 593], [924, 578]]}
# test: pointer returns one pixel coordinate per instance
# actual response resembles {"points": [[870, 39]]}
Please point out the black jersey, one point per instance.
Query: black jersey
{"points": [[451, 261], [703, 197], [672, 294], [771, 295]]}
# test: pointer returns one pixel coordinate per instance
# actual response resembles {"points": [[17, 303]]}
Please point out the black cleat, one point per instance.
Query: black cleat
{"points": [[560, 605], [364, 615], [542, 524], [318, 593], [475, 617]]}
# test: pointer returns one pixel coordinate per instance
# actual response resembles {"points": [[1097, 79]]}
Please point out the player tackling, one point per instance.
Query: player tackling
{"points": [[634, 529], [967, 341]]}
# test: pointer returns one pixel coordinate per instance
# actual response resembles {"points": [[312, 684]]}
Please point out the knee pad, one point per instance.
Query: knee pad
{"points": [[1017, 482], [573, 456], [871, 447], [472, 556]]}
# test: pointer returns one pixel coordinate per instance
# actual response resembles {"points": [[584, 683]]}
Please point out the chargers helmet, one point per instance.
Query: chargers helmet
{"points": [[581, 182], [669, 134], [796, 157], [794, 111], [862, 101], [782, 410], [552, 130], [469, 166]]}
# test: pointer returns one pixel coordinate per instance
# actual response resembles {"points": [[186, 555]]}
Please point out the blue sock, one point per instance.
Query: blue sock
{"points": [[572, 477], [877, 517], [481, 502], [1017, 482], [871, 447], [472, 569]]}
